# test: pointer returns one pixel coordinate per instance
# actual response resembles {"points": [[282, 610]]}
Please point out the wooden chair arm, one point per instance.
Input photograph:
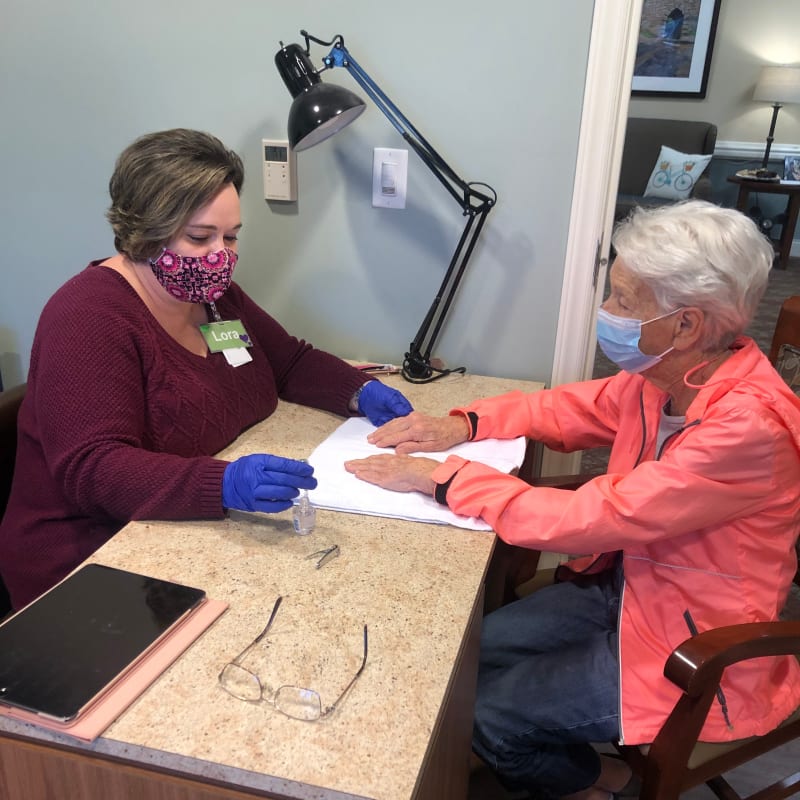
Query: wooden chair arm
{"points": [[696, 667], [697, 664]]}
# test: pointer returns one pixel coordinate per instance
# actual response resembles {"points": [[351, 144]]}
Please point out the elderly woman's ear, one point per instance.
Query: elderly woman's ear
{"points": [[689, 328]]}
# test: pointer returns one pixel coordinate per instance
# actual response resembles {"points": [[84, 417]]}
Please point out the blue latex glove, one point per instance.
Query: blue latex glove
{"points": [[380, 403], [266, 483]]}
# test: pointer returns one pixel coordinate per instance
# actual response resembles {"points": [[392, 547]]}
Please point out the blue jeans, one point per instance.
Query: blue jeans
{"points": [[548, 685]]}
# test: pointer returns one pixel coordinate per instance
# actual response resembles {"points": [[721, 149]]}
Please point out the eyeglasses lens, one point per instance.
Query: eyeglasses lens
{"points": [[240, 683], [298, 703]]}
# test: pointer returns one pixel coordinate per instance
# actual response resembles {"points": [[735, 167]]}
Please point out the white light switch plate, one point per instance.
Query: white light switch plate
{"points": [[389, 177]]}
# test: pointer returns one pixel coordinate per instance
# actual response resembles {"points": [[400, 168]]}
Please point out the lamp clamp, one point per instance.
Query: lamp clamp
{"points": [[337, 56]]}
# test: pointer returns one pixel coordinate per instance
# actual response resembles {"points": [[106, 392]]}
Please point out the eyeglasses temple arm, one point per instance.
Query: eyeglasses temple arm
{"points": [[347, 688], [261, 635]]}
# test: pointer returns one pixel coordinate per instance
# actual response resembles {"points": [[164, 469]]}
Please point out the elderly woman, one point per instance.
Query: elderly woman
{"points": [[148, 362], [694, 522]]}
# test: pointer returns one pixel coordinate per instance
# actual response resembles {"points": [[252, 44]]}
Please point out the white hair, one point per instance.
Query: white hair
{"points": [[695, 253]]}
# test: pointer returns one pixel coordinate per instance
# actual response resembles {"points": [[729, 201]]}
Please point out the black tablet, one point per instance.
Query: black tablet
{"points": [[65, 648]]}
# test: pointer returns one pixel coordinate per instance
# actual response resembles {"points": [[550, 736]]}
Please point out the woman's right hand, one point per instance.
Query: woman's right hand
{"points": [[420, 433], [262, 482]]}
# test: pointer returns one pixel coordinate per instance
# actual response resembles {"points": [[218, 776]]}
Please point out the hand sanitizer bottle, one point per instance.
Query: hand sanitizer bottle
{"points": [[304, 515]]}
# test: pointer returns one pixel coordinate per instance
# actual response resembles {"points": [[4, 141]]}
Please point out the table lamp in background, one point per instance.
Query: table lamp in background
{"points": [[320, 110], [777, 85]]}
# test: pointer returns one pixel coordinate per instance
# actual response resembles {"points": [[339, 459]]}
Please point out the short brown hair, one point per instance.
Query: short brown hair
{"points": [[161, 180]]}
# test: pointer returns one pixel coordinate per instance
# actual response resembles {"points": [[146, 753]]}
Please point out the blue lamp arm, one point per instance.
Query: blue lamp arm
{"points": [[467, 197], [474, 204]]}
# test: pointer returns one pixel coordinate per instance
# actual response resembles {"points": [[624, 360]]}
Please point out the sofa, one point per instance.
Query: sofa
{"points": [[644, 138]]}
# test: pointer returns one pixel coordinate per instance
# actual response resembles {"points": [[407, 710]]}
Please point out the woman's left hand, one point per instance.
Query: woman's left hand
{"points": [[398, 473]]}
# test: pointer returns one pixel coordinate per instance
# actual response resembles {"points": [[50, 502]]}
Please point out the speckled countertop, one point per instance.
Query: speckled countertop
{"points": [[413, 584]]}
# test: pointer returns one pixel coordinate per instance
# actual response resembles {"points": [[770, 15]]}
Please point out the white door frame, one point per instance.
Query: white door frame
{"points": [[612, 50]]}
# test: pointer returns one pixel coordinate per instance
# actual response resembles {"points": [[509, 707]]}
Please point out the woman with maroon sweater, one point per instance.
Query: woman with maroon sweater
{"points": [[128, 398]]}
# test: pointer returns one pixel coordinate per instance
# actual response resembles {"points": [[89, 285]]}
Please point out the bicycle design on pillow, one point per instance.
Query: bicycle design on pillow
{"points": [[678, 177]]}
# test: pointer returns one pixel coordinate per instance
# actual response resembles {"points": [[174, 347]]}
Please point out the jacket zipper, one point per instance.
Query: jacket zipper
{"points": [[622, 591], [619, 656], [644, 433], [644, 429], [723, 703], [672, 436]]}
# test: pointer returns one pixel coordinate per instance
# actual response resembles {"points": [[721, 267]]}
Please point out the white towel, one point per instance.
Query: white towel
{"points": [[341, 491]]}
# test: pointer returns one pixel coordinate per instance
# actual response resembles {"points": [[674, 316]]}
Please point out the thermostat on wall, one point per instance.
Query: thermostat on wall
{"points": [[280, 170]]}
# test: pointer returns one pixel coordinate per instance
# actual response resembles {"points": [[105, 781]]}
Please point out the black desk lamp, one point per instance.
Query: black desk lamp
{"points": [[319, 110], [777, 85]]}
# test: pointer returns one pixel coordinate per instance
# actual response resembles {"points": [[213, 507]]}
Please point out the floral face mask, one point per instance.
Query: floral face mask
{"points": [[195, 279]]}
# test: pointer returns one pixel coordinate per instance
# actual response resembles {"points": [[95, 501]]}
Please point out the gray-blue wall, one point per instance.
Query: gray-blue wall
{"points": [[497, 89]]}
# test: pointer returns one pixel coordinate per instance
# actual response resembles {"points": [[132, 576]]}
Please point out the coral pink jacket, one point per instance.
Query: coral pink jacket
{"points": [[707, 525]]}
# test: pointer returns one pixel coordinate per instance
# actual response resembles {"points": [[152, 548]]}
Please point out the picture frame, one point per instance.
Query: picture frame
{"points": [[673, 56], [791, 168]]}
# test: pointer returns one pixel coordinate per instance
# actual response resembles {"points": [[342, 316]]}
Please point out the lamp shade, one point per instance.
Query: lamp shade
{"points": [[778, 85], [319, 109], [319, 112]]}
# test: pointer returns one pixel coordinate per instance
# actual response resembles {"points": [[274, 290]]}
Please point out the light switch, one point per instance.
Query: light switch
{"points": [[389, 177]]}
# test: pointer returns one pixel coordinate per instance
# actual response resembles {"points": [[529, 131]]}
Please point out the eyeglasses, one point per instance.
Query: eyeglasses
{"points": [[293, 701]]}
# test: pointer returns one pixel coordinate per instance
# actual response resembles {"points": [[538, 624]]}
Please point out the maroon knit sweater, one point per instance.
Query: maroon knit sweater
{"points": [[120, 422]]}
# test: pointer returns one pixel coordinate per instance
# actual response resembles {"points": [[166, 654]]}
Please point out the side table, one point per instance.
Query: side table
{"points": [[784, 244]]}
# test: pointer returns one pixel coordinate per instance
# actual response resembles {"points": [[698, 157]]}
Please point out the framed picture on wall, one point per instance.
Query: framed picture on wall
{"points": [[791, 168], [676, 38]]}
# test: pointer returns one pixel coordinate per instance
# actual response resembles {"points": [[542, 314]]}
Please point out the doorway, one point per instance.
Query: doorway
{"points": [[612, 49]]}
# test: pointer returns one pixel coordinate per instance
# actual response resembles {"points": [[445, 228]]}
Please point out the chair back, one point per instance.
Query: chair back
{"points": [[787, 327], [10, 401], [784, 353], [788, 365]]}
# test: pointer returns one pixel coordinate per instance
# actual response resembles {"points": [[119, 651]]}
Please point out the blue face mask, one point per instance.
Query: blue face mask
{"points": [[618, 338]]}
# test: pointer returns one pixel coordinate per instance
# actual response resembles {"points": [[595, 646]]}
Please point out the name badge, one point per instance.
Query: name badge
{"points": [[226, 335]]}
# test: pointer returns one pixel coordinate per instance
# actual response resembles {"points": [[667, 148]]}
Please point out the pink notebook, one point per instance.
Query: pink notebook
{"points": [[93, 720]]}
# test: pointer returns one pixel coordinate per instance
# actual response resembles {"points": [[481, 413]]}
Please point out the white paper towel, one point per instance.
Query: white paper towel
{"points": [[341, 491]]}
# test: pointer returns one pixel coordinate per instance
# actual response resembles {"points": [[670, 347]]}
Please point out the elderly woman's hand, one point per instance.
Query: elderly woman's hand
{"points": [[420, 433], [398, 473]]}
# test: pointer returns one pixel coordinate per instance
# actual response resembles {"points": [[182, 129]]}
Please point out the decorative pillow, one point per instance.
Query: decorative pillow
{"points": [[675, 174]]}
